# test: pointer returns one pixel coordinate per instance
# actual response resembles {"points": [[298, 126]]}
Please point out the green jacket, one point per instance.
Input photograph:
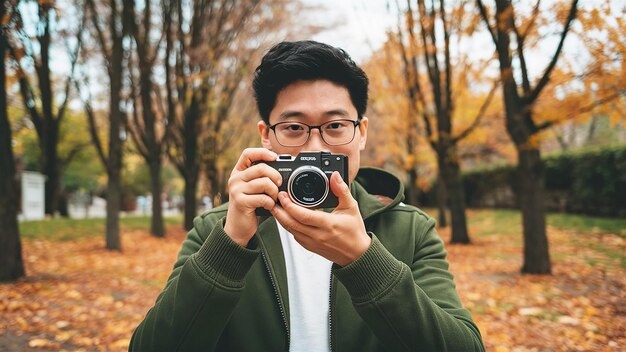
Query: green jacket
{"points": [[398, 296]]}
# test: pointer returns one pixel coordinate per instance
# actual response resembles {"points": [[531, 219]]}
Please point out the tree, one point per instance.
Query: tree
{"points": [[40, 103], [11, 263], [394, 116], [523, 129], [207, 55], [111, 45], [149, 131], [195, 43], [435, 103], [74, 144]]}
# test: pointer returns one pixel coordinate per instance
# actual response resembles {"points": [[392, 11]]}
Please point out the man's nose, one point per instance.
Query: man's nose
{"points": [[315, 142]]}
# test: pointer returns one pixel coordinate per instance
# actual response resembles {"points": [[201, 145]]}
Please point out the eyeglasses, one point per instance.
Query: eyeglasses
{"points": [[295, 134]]}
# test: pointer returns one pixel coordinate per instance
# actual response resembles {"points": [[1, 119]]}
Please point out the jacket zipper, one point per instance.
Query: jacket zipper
{"points": [[330, 314], [280, 306]]}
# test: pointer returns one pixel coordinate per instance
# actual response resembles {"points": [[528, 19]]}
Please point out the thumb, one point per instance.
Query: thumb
{"points": [[341, 190]]}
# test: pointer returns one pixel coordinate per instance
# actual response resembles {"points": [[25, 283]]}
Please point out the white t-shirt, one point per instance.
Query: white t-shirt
{"points": [[308, 280]]}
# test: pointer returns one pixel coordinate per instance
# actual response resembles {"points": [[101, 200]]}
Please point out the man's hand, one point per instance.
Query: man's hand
{"points": [[250, 187], [339, 236]]}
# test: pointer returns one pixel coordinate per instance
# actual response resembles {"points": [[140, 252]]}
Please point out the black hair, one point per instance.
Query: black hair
{"points": [[288, 62]]}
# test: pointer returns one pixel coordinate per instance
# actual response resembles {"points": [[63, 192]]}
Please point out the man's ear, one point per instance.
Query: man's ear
{"points": [[363, 130], [264, 132]]}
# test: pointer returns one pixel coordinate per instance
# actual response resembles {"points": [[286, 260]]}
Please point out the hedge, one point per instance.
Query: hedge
{"points": [[590, 181]]}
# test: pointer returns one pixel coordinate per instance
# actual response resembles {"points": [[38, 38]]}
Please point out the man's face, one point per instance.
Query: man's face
{"points": [[314, 103]]}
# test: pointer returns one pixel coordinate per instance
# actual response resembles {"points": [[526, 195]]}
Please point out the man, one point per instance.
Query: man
{"points": [[369, 275]]}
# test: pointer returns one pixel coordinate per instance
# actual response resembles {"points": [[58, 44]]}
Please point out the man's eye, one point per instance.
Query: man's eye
{"points": [[293, 128], [335, 125]]}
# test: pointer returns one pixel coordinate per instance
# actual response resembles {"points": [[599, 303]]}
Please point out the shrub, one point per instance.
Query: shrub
{"points": [[591, 181]]}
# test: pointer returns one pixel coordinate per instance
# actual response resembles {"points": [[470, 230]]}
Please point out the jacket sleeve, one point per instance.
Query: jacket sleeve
{"points": [[415, 307], [200, 294]]}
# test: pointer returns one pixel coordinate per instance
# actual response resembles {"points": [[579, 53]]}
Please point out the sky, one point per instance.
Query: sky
{"points": [[359, 27]]}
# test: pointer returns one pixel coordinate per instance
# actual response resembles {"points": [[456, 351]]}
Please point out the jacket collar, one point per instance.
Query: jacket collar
{"points": [[372, 184]]}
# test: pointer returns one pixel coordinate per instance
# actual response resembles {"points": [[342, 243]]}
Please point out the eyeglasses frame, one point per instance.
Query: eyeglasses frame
{"points": [[319, 128]]}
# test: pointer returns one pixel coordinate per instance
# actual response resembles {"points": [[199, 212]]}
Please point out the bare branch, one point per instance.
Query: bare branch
{"points": [[73, 153], [545, 125], [91, 119], [138, 138], [521, 39], [428, 31], [479, 115], [559, 137], [134, 135], [599, 102], [584, 109], [415, 86], [448, 66], [26, 91], [546, 75], [73, 59], [175, 160], [411, 72], [106, 51], [485, 16], [533, 19]]}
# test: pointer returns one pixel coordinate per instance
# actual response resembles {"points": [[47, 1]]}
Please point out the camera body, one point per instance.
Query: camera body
{"points": [[306, 178]]}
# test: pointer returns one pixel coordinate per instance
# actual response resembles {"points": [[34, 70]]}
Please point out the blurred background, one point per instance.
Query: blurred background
{"points": [[120, 122]]}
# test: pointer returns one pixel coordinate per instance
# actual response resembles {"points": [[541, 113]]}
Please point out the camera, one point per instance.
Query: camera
{"points": [[306, 178]]}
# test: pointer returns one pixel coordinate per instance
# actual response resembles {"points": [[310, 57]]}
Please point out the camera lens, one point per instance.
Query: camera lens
{"points": [[308, 186]]}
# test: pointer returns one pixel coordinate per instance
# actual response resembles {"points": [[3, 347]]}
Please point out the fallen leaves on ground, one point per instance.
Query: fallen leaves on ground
{"points": [[580, 307], [79, 296]]}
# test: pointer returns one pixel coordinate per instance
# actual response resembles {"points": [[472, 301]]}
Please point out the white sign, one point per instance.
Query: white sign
{"points": [[33, 195]]}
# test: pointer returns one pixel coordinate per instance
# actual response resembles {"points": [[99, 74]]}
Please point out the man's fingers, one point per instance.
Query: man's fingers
{"points": [[341, 190], [250, 155], [289, 222], [258, 201], [262, 185], [260, 171], [299, 213]]}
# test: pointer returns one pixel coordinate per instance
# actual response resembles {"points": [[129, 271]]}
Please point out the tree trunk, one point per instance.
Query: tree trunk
{"points": [[191, 188], [114, 184], [11, 264], [412, 192], [192, 167], [530, 178], [441, 201], [114, 200], [454, 189], [156, 227], [213, 178], [63, 206], [191, 162], [50, 168]]}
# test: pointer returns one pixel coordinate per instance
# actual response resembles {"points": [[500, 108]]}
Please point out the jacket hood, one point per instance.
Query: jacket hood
{"points": [[376, 190]]}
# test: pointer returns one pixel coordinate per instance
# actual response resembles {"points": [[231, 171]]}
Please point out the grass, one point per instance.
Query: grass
{"points": [[588, 224], [63, 229], [505, 221], [583, 231]]}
